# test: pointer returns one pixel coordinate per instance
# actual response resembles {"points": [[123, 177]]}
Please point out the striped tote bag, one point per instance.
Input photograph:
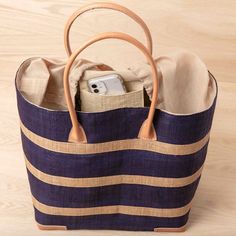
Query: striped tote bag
{"points": [[122, 169]]}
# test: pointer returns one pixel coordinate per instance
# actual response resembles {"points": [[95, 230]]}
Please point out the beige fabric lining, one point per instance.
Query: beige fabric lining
{"points": [[112, 180], [114, 209], [128, 144], [185, 85]]}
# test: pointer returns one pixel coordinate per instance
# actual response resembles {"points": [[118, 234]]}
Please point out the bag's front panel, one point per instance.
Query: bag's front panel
{"points": [[115, 181]]}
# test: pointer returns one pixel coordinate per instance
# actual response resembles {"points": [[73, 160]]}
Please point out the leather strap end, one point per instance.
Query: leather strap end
{"points": [[77, 135], [144, 132]]}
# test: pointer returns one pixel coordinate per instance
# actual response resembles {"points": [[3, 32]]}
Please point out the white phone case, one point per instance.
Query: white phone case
{"points": [[107, 85]]}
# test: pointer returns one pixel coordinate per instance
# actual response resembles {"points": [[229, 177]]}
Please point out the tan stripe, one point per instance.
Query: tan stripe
{"points": [[112, 180], [116, 209], [129, 144]]}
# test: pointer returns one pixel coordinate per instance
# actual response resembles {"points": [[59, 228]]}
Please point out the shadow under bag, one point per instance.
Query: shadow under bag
{"points": [[128, 168]]}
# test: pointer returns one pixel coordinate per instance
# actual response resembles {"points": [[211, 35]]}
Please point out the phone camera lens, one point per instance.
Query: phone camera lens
{"points": [[94, 86], [96, 90]]}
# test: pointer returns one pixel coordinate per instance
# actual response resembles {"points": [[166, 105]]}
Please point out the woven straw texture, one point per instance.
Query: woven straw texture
{"points": [[115, 181]]}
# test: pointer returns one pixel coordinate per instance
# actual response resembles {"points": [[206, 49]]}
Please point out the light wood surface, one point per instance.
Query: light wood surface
{"points": [[208, 28]]}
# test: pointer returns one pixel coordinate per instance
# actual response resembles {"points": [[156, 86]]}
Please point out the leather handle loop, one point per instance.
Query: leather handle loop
{"points": [[77, 133], [105, 5]]}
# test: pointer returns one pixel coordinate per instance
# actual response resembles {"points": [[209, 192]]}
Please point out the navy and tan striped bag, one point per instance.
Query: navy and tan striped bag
{"points": [[133, 167]]}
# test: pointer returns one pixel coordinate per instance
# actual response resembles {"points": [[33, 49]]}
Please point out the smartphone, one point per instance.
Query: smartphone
{"points": [[107, 85]]}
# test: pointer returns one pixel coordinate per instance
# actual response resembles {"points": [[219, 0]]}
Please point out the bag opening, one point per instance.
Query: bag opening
{"points": [[185, 86]]}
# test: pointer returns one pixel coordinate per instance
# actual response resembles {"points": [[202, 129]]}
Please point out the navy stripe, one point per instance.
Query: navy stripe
{"points": [[117, 124], [132, 162], [122, 194], [113, 222]]}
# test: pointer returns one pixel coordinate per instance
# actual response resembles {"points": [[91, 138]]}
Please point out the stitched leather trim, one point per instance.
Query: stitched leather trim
{"points": [[51, 227], [163, 229]]}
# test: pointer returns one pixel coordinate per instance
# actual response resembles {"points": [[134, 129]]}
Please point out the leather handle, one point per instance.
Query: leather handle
{"points": [[77, 133], [105, 5]]}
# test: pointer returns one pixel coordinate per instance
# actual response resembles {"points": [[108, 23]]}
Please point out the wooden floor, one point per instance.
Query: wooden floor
{"points": [[208, 28]]}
